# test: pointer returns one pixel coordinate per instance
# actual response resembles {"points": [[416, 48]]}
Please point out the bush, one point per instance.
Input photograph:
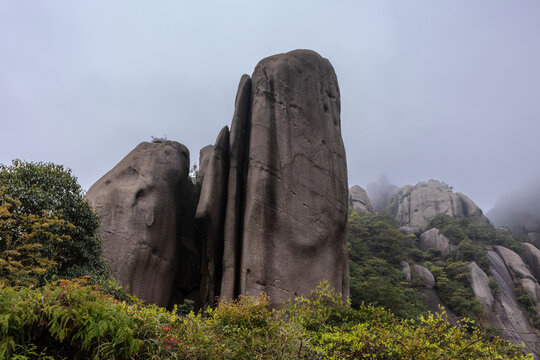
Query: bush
{"points": [[72, 319], [46, 218]]}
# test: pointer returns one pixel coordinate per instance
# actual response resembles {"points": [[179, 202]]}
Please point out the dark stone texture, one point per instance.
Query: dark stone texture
{"points": [[296, 190], [144, 204], [211, 214], [235, 190]]}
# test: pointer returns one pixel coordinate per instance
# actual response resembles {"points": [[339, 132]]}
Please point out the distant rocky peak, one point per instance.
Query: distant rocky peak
{"points": [[415, 206], [359, 200]]}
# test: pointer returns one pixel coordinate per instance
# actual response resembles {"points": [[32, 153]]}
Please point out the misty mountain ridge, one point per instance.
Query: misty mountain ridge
{"points": [[450, 254]]}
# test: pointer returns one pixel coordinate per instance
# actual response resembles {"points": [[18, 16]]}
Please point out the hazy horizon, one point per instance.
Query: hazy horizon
{"points": [[443, 90]]}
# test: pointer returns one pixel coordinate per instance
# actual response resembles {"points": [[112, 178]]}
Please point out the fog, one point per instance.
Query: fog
{"points": [[445, 90], [519, 207]]}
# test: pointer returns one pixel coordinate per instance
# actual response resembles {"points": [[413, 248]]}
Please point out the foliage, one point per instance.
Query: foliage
{"points": [[471, 241], [22, 254], [72, 319], [374, 333], [376, 248], [46, 220]]}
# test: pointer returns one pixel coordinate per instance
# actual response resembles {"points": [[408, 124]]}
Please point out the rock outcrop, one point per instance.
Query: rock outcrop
{"points": [[296, 185], [230, 283], [480, 285], [434, 239], [423, 277], [519, 272], [144, 204], [415, 206], [531, 256], [210, 216], [359, 200], [507, 313], [272, 210]]}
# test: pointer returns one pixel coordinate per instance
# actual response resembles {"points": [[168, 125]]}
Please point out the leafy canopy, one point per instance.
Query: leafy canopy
{"points": [[47, 229]]}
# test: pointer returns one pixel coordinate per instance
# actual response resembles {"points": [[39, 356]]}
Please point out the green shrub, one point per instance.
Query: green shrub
{"points": [[72, 319], [50, 217]]}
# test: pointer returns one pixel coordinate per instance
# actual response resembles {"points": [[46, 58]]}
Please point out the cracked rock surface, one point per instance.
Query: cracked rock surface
{"points": [[142, 205], [296, 187]]}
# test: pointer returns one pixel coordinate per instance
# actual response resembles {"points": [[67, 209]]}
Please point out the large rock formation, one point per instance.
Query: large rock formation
{"points": [[519, 272], [232, 252], [507, 313], [531, 256], [273, 197], [210, 215], [296, 187], [144, 204], [415, 206], [480, 285], [359, 200]]}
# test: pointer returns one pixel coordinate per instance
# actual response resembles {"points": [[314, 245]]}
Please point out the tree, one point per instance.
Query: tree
{"points": [[44, 215]]}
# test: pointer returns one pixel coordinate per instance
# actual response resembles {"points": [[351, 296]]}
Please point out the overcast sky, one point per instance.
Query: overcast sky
{"points": [[446, 90]]}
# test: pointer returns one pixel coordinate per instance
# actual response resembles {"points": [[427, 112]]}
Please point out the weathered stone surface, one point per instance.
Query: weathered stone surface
{"points": [[210, 216], [235, 191], [296, 189], [507, 313], [531, 256], [204, 157], [415, 206], [144, 204], [422, 276], [519, 271], [359, 200], [434, 239], [480, 285], [406, 269]]}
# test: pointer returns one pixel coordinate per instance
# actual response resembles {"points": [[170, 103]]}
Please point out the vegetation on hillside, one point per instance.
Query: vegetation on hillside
{"points": [[376, 248], [48, 232], [73, 320], [47, 228]]}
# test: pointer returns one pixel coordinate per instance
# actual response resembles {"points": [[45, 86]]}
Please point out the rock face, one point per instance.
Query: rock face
{"points": [[272, 210], [519, 272], [230, 284], [433, 239], [422, 276], [507, 313], [415, 206], [143, 204], [359, 200], [480, 285], [296, 187], [210, 216], [531, 256]]}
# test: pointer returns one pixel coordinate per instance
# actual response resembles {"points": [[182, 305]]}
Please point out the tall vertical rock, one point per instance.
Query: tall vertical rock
{"points": [[235, 191], [296, 188], [210, 215], [144, 204], [273, 199]]}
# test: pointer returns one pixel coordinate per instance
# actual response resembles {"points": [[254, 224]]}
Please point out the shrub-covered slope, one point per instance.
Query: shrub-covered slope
{"points": [[73, 320]]}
